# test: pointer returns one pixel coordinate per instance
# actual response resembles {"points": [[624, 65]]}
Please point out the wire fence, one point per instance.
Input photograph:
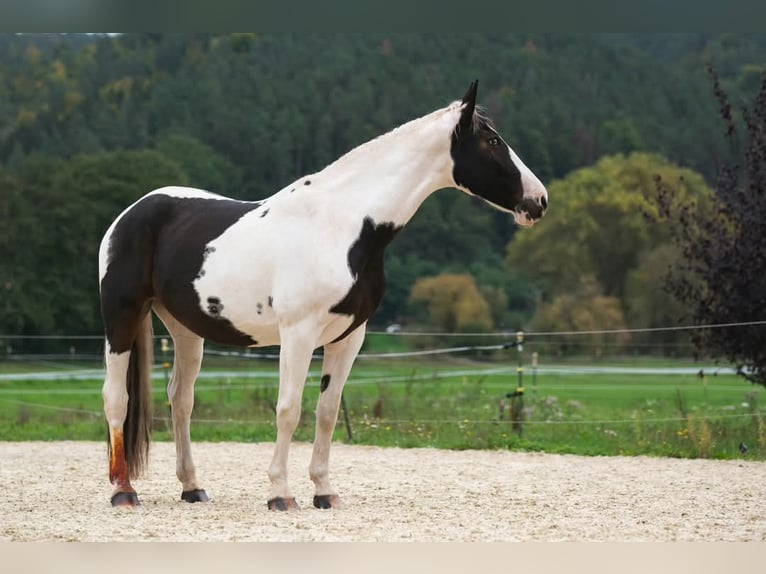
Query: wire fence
{"points": [[229, 421], [506, 333], [70, 347], [62, 367]]}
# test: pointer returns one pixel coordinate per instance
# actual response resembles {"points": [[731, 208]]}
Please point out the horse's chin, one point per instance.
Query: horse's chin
{"points": [[523, 219]]}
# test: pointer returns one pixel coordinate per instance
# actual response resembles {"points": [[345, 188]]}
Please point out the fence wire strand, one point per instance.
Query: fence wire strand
{"points": [[510, 335], [401, 422]]}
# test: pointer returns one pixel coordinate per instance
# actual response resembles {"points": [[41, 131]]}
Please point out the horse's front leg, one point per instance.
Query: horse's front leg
{"points": [[296, 347], [338, 359]]}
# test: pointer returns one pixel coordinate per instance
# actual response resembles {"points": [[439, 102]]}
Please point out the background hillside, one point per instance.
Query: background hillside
{"points": [[89, 123]]}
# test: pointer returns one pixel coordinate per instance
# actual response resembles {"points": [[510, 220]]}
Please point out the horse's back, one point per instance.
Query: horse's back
{"points": [[170, 210]]}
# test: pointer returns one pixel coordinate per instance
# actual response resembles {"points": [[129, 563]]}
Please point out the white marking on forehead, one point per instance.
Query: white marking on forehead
{"points": [[532, 186]]}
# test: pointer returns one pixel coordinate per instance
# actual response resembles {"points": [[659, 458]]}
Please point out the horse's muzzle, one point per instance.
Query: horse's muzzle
{"points": [[531, 210]]}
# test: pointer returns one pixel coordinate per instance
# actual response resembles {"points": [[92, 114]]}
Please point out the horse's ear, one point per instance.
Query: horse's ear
{"points": [[466, 116]]}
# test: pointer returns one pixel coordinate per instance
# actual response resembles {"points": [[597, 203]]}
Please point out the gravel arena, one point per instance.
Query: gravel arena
{"points": [[58, 491]]}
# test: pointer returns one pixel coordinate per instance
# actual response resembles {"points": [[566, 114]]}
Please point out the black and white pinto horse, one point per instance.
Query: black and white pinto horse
{"points": [[302, 269]]}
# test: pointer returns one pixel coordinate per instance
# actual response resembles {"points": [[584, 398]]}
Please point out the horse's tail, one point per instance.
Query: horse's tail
{"points": [[138, 423]]}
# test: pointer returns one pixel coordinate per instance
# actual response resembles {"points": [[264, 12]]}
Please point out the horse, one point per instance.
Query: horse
{"points": [[302, 269]]}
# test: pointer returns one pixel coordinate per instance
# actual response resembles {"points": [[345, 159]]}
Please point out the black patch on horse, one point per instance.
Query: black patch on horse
{"points": [[325, 383], [214, 306], [365, 260], [156, 251], [483, 163]]}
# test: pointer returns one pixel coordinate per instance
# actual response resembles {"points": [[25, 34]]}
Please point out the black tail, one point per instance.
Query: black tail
{"points": [[138, 423]]}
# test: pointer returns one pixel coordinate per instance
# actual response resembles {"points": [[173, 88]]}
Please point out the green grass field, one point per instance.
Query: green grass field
{"points": [[445, 403]]}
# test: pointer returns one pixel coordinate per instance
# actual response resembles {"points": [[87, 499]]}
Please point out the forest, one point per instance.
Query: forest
{"points": [[89, 123]]}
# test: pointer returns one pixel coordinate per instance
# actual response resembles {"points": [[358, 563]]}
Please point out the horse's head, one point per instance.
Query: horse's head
{"points": [[486, 166]]}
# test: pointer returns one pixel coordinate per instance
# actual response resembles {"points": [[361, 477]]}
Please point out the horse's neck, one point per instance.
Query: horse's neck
{"points": [[389, 177]]}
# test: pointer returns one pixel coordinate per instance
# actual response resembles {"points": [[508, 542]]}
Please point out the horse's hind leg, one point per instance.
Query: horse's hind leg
{"points": [[127, 400], [187, 349], [338, 359], [115, 395]]}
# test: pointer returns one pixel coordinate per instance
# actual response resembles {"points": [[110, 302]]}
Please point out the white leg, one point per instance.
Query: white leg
{"points": [[338, 359], [114, 391], [115, 395], [297, 346], [187, 360], [127, 402]]}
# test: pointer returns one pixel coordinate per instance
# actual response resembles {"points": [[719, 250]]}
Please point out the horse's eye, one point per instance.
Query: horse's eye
{"points": [[493, 142]]}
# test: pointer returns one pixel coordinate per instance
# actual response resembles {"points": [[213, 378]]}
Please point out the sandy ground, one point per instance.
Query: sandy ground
{"points": [[57, 491]]}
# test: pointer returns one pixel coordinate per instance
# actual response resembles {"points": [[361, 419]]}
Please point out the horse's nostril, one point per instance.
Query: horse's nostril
{"points": [[544, 202]]}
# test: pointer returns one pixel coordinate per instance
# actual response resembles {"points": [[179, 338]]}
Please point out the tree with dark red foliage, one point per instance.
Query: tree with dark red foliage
{"points": [[723, 275]]}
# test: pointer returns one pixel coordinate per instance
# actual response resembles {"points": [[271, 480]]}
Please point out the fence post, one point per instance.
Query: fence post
{"points": [[520, 348], [345, 417], [164, 347], [517, 396]]}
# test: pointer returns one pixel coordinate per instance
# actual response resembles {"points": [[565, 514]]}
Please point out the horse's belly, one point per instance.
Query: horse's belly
{"points": [[262, 332], [256, 307], [244, 309]]}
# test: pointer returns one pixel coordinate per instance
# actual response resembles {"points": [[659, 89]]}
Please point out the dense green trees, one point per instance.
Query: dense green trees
{"points": [[52, 223], [88, 123], [602, 239], [598, 224]]}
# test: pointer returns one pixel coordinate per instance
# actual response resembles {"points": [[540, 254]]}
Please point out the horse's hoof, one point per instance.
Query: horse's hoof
{"points": [[280, 503], [125, 499], [196, 495], [325, 501]]}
